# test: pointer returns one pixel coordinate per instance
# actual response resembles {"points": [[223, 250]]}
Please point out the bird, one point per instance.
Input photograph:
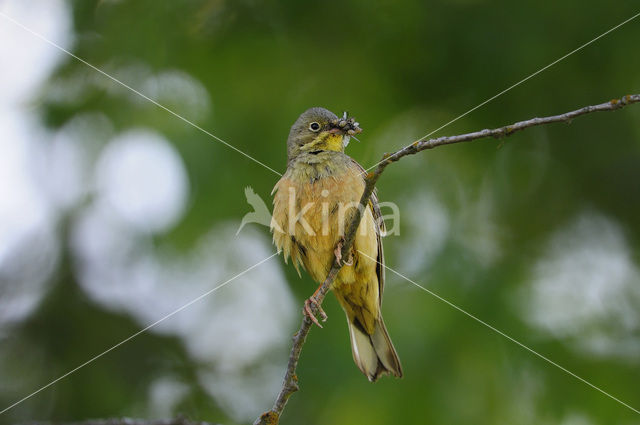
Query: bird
{"points": [[312, 204]]}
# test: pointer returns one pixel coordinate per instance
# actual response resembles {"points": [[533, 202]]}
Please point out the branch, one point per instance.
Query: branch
{"points": [[290, 383]]}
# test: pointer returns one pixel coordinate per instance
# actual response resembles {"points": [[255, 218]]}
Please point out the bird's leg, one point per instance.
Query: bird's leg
{"points": [[309, 313], [338, 254]]}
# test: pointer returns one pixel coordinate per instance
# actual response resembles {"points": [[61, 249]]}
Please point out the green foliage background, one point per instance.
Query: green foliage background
{"points": [[403, 69]]}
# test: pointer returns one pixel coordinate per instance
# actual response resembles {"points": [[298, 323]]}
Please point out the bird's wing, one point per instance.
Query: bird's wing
{"points": [[380, 229], [377, 217]]}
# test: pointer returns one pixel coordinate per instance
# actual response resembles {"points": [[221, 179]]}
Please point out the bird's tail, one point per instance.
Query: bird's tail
{"points": [[374, 354]]}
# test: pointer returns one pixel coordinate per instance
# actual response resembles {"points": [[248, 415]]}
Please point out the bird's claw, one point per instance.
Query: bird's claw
{"points": [[309, 313], [338, 254]]}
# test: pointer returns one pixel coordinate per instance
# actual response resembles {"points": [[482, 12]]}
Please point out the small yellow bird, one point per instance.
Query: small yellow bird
{"points": [[313, 204]]}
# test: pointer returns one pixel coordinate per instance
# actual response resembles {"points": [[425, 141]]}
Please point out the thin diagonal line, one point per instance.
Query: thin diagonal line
{"points": [[191, 123], [209, 292], [520, 82], [502, 333]]}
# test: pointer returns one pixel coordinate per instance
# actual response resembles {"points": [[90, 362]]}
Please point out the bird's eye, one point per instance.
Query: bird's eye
{"points": [[314, 126]]}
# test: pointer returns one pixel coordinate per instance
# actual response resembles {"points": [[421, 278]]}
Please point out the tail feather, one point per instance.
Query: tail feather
{"points": [[374, 354]]}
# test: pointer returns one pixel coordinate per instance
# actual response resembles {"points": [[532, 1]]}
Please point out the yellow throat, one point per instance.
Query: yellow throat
{"points": [[327, 141]]}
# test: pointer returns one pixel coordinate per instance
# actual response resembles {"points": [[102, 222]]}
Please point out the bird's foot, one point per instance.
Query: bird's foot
{"points": [[307, 311], [349, 262], [338, 254]]}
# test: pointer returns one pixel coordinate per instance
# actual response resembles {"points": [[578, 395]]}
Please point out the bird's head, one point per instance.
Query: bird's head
{"points": [[318, 130]]}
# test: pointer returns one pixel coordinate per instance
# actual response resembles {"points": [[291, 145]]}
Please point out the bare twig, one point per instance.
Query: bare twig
{"points": [[505, 131], [290, 383]]}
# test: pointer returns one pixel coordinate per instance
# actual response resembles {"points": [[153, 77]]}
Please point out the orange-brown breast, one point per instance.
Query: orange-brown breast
{"points": [[324, 196]]}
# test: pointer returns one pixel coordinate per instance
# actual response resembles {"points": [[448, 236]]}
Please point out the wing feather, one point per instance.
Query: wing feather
{"points": [[380, 229]]}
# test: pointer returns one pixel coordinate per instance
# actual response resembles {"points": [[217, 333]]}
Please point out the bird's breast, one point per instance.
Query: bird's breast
{"points": [[313, 203]]}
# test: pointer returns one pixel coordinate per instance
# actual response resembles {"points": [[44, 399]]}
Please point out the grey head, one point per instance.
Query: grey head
{"points": [[319, 129]]}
